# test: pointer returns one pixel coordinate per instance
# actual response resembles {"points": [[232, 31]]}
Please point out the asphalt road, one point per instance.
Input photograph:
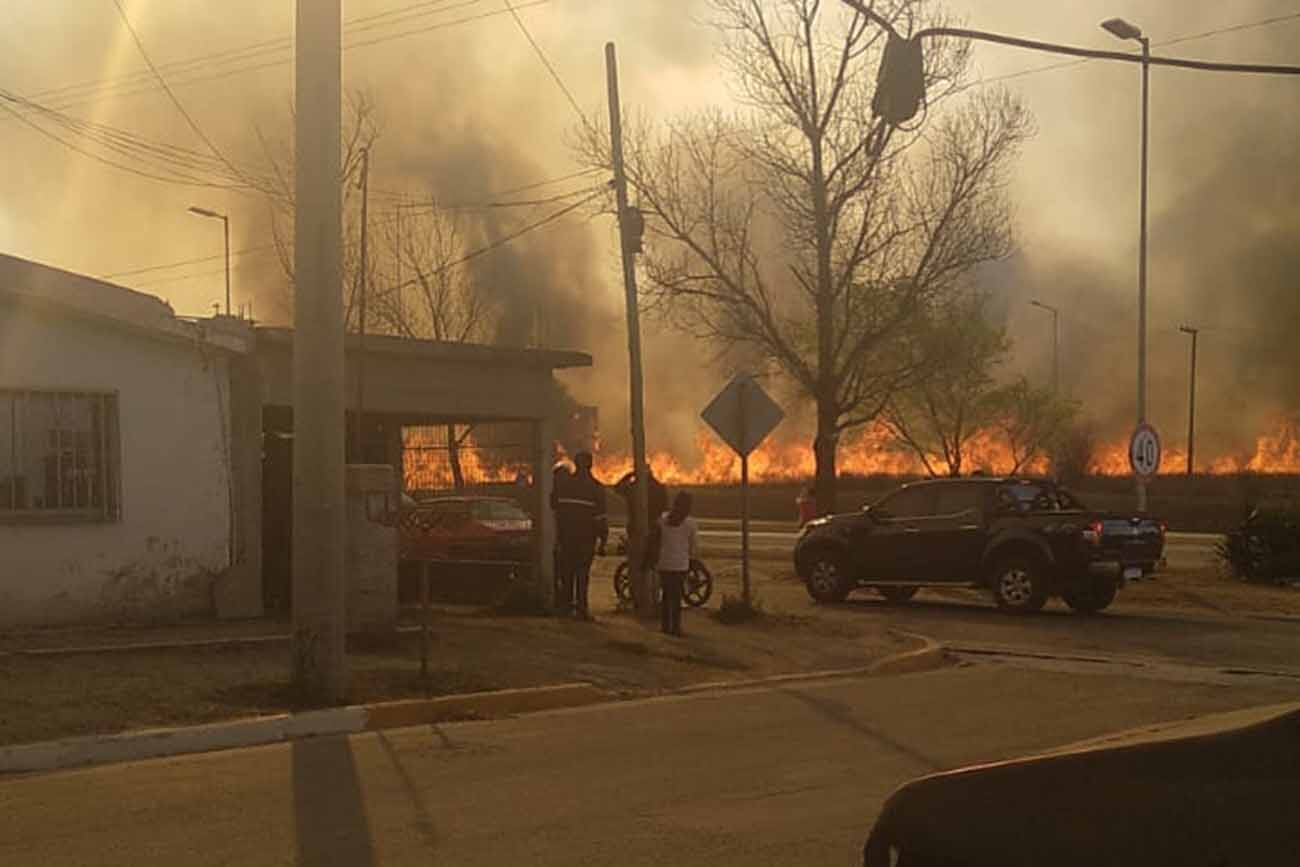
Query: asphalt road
{"points": [[775, 539], [784, 776]]}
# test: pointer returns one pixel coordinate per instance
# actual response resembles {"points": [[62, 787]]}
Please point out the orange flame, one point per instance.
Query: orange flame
{"points": [[426, 462], [870, 451]]}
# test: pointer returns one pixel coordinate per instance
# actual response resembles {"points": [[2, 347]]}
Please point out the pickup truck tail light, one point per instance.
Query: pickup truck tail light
{"points": [[1092, 533], [1164, 528]]}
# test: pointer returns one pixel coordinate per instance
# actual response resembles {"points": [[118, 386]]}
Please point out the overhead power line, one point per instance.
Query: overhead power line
{"points": [[491, 203], [229, 55], [507, 239], [162, 82], [279, 52], [1193, 37], [555, 76]]}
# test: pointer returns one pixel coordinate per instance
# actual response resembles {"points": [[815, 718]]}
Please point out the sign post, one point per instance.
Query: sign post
{"points": [[1144, 452], [743, 415]]}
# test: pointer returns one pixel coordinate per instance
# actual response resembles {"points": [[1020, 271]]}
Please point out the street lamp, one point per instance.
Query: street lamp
{"points": [[1191, 398], [225, 223], [1056, 343], [1122, 29]]}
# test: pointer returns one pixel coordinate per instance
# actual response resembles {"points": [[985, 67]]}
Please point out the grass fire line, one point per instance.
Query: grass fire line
{"points": [[870, 452]]}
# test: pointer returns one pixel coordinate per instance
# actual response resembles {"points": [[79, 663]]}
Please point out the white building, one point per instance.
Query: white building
{"points": [[115, 452], [145, 460]]}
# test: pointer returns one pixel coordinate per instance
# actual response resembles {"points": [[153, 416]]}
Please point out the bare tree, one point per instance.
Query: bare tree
{"points": [[416, 281], [804, 228], [957, 401], [1033, 421], [431, 294]]}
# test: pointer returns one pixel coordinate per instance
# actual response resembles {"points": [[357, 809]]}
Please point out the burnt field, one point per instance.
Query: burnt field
{"points": [[1203, 503]]}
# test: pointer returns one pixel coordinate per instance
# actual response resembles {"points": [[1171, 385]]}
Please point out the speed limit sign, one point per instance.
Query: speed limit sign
{"points": [[1144, 451]]}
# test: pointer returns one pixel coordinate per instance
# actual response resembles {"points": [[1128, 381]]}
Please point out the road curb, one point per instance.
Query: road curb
{"points": [[931, 655], [355, 719], [928, 657], [260, 731]]}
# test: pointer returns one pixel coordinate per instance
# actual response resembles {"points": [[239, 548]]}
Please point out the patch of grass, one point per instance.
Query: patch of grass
{"points": [[636, 648], [734, 609]]}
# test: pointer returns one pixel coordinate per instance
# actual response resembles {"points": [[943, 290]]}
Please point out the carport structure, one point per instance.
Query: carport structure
{"points": [[417, 386]]}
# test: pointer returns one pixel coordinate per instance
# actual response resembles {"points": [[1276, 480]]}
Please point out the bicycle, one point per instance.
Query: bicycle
{"points": [[696, 590]]}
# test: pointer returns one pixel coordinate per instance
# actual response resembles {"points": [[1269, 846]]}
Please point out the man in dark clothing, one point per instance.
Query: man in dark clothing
{"points": [[561, 481], [656, 498], [580, 513]]}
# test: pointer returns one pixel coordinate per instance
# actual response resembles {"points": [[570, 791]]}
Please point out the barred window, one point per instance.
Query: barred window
{"points": [[58, 455]]}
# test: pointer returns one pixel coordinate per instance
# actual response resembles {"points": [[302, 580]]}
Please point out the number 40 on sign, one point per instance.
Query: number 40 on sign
{"points": [[1144, 451]]}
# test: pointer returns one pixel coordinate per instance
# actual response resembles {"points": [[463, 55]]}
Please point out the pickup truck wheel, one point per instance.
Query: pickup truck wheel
{"points": [[897, 594], [1018, 585], [828, 580], [1091, 597]]}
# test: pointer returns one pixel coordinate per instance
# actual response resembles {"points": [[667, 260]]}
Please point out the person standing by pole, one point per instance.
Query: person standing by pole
{"points": [[561, 477], [678, 546], [580, 509], [630, 227]]}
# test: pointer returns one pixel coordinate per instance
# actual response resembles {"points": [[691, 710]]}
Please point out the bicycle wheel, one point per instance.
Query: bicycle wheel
{"points": [[623, 583], [699, 585]]}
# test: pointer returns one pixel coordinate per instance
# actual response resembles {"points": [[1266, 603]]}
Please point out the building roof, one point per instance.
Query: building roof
{"points": [[46, 285], [64, 293], [435, 350]]}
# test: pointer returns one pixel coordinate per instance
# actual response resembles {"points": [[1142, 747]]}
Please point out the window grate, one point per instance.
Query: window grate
{"points": [[58, 455]]}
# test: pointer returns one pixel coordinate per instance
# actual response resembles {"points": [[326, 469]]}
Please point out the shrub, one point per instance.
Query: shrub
{"points": [[734, 609], [1266, 548], [1073, 452]]}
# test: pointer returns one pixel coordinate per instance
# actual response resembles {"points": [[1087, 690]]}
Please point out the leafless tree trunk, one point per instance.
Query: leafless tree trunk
{"points": [[805, 229], [453, 457]]}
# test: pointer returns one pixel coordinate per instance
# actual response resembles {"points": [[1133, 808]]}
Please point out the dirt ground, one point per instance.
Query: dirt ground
{"points": [[48, 696]]}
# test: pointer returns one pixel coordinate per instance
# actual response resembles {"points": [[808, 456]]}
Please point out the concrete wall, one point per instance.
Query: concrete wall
{"points": [[371, 549], [172, 540]]}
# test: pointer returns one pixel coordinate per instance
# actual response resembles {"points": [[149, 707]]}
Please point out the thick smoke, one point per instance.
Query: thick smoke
{"points": [[1224, 217]]}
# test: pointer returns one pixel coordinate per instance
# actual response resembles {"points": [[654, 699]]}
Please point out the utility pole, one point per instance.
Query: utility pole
{"points": [[319, 656], [363, 286], [1191, 402], [630, 243]]}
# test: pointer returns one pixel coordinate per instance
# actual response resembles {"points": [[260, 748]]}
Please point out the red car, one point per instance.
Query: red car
{"points": [[462, 537]]}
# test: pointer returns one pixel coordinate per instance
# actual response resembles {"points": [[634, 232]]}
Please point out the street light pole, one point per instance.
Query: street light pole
{"points": [[225, 226], [1191, 401], [1122, 29], [1056, 343]]}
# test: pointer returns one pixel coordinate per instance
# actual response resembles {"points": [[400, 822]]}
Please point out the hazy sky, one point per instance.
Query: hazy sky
{"points": [[1220, 145]]}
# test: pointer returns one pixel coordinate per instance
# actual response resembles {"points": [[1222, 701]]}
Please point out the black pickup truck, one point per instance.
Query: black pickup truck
{"points": [[1024, 539]]}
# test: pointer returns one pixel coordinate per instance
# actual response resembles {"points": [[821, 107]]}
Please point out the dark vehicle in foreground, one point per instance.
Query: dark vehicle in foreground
{"points": [[470, 543], [1210, 792], [1023, 539]]}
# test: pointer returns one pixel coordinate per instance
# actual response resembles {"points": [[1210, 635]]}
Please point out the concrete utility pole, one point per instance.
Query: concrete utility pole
{"points": [[629, 244], [363, 289], [1191, 402], [319, 658]]}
